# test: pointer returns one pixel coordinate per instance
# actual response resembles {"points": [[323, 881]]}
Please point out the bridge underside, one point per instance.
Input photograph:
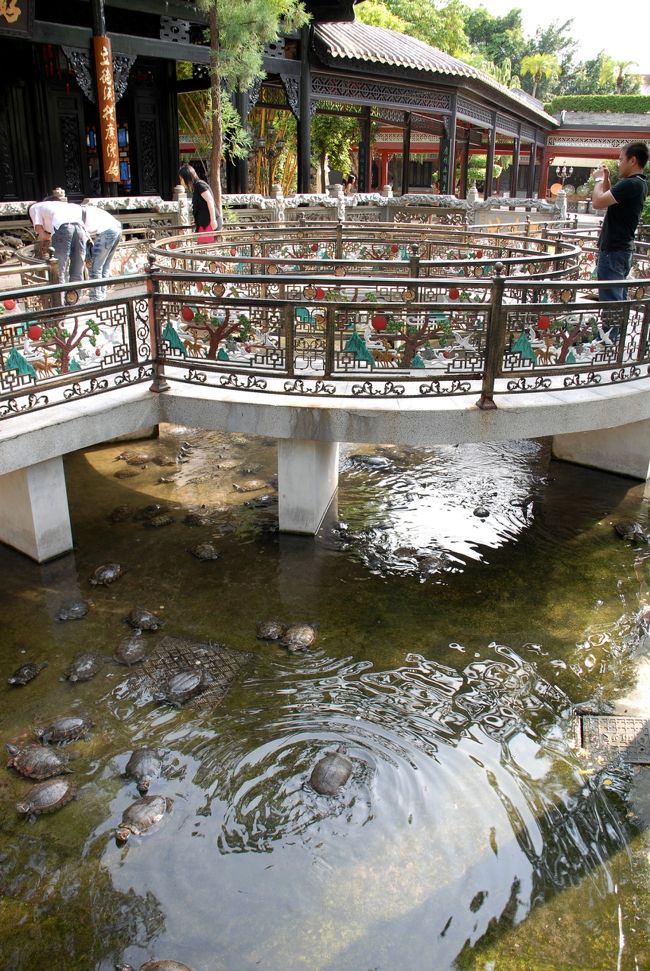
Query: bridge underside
{"points": [[605, 428]]}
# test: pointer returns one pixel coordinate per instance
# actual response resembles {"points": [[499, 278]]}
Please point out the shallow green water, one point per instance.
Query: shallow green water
{"points": [[450, 649]]}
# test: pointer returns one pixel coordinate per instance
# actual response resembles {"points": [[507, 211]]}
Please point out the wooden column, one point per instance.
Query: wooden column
{"points": [[490, 157], [514, 174], [304, 124], [365, 158], [450, 187], [105, 90], [543, 173], [406, 152], [531, 167]]}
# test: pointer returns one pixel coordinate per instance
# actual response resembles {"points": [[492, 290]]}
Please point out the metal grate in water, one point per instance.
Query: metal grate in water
{"points": [[175, 654], [609, 735]]}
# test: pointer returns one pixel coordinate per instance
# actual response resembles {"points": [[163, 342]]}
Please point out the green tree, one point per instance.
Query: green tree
{"points": [[375, 13], [496, 39], [539, 66], [331, 140], [600, 75], [441, 25], [239, 29]]}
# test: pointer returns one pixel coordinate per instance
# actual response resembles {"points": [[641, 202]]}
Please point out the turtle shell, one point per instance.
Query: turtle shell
{"points": [[148, 512], [130, 650], [65, 729], [106, 574], [632, 531], [165, 460], [253, 485], [262, 502], [196, 519], [141, 816], [36, 761], [205, 551], [144, 766], [156, 521], [73, 610], [298, 637], [137, 458], [142, 619], [46, 797], [332, 772], [84, 667], [26, 673], [181, 687], [270, 630]]}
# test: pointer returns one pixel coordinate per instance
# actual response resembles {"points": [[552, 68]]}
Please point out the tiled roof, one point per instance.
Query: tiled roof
{"points": [[378, 45]]}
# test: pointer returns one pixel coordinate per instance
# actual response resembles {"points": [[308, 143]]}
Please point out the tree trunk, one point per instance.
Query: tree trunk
{"points": [[217, 137]]}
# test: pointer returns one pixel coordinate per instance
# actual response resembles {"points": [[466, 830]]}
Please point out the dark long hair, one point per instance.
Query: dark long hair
{"points": [[189, 175]]}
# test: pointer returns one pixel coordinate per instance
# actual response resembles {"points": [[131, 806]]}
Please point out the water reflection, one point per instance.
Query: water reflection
{"points": [[452, 649]]}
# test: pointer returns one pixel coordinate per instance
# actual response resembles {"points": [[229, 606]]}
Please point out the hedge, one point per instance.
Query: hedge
{"points": [[628, 104]]}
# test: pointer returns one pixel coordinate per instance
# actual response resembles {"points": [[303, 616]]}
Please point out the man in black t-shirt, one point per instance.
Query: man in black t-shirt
{"points": [[623, 202]]}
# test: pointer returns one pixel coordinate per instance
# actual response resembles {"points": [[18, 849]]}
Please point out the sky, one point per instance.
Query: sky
{"points": [[619, 31]]}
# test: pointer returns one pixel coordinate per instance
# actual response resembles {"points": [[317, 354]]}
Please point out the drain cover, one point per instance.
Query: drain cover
{"points": [[175, 654], [628, 738]]}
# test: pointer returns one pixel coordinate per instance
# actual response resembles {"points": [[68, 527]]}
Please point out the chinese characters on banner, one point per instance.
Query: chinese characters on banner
{"points": [[10, 10], [106, 105], [16, 17]]}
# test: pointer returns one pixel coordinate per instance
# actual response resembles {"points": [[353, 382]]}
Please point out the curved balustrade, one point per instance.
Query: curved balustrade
{"points": [[422, 312]]}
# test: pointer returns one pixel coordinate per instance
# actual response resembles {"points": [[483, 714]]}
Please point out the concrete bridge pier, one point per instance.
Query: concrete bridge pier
{"points": [[624, 449], [34, 515], [308, 475]]}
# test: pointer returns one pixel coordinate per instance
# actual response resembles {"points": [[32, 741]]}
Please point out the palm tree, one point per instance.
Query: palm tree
{"points": [[620, 75], [539, 66]]}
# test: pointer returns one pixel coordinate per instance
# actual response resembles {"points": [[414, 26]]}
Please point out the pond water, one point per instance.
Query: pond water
{"points": [[466, 599]]}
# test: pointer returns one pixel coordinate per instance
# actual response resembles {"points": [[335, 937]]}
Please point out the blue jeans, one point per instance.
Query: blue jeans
{"points": [[104, 248], [613, 265], [69, 245]]}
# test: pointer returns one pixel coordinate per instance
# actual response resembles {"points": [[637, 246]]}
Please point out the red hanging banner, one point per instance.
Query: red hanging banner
{"points": [[106, 105]]}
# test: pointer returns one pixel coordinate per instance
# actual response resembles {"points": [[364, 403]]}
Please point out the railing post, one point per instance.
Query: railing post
{"points": [[56, 299], [159, 382], [495, 342], [414, 267], [330, 328], [288, 323], [338, 252]]}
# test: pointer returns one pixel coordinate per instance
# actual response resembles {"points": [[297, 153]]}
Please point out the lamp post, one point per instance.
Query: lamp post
{"points": [[563, 173], [269, 153]]}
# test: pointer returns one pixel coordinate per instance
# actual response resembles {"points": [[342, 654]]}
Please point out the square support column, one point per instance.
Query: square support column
{"points": [[624, 449], [34, 515], [308, 476]]}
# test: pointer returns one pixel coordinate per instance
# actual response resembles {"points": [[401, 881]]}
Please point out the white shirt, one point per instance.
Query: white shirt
{"points": [[51, 215], [99, 220]]}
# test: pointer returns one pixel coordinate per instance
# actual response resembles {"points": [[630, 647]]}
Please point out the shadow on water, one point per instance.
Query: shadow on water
{"points": [[465, 599]]}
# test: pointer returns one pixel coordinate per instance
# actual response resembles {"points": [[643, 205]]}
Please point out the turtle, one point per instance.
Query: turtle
{"points": [[205, 551], [148, 512], [73, 610], [255, 485], [156, 521], [26, 672], [46, 797], [84, 667], [270, 630], [262, 502], [482, 512], [169, 478], [129, 473], [130, 650], [181, 687], [65, 729], [330, 773], [165, 460], [106, 574], [196, 519], [251, 469], [144, 766], [121, 514], [298, 637], [371, 461], [141, 816], [155, 966], [36, 761], [138, 458], [129, 456], [227, 464], [627, 529], [142, 619]]}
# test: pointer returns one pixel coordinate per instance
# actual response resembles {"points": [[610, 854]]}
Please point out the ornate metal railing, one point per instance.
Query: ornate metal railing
{"points": [[407, 329]]}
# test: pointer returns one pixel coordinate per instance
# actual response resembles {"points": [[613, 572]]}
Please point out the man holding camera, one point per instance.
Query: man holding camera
{"points": [[623, 202]]}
